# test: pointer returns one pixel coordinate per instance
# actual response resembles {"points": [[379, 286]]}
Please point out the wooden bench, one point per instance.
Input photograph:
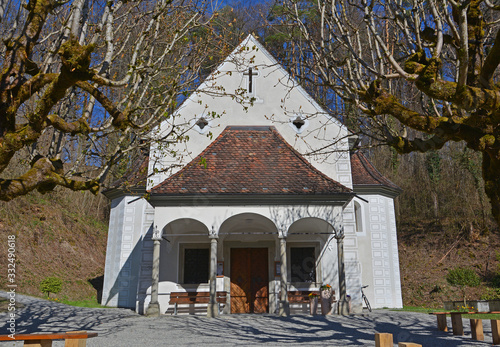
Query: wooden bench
{"points": [[476, 325], [72, 338], [191, 298], [300, 296]]}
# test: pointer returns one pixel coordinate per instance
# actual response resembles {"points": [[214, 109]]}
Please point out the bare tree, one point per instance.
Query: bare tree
{"points": [[84, 81], [419, 73]]}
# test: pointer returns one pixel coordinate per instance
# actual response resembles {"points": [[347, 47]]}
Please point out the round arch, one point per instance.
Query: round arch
{"points": [[185, 226], [248, 223], [311, 225]]}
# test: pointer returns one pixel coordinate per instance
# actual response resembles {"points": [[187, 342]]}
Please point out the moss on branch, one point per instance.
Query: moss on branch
{"points": [[44, 176]]}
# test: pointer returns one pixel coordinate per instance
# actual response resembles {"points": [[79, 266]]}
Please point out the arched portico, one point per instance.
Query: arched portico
{"points": [[219, 239]]}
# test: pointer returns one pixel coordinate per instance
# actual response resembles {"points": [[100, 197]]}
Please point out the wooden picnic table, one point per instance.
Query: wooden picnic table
{"points": [[476, 324]]}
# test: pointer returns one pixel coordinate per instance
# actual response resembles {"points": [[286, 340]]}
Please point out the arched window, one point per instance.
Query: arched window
{"points": [[357, 215]]}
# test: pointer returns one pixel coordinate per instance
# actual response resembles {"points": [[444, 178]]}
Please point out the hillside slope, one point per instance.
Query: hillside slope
{"points": [[428, 250], [59, 234]]}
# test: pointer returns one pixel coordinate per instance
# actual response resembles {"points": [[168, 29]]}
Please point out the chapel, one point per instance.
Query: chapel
{"points": [[265, 198]]}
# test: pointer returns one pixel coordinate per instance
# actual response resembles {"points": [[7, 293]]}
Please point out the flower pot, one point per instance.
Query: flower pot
{"points": [[313, 305], [326, 301]]}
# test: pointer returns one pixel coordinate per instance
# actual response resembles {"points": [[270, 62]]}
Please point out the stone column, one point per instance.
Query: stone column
{"points": [[343, 303], [213, 308], [284, 305], [154, 307]]}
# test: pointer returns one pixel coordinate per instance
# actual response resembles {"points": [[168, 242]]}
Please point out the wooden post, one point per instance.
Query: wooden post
{"points": [[75, 342], [495, 330], [476, 328], [383, 340], [456, 323], [442, 325], [408, 344], [38, 343]]}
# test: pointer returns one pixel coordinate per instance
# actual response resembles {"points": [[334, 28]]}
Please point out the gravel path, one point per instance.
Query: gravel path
{"points": [[123, 328]]}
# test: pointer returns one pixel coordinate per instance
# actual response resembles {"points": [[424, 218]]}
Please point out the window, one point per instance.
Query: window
{"points": [[299, 123], [357, 215], [196, 265], [303, 264], [202, 123]]}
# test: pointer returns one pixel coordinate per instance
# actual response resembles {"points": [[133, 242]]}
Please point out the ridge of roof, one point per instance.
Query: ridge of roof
{"points": [[256, 168]]}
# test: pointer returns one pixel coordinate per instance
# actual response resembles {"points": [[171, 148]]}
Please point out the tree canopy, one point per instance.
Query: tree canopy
{"points": [[417, 74], [82, 82]]}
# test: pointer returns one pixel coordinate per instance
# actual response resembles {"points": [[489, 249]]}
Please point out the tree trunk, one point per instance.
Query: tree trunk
{"points": [[435, 203], [491, 175]]}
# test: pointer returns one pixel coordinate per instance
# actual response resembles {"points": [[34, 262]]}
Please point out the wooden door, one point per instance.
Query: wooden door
{"points": [[249, 280]]}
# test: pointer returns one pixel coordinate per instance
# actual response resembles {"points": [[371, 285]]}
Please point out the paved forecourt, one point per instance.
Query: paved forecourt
{"points": [[121, 327]]}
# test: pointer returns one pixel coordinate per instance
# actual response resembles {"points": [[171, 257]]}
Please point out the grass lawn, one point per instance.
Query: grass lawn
{"points": [[429, 310], [83, 303], [416, 309]]}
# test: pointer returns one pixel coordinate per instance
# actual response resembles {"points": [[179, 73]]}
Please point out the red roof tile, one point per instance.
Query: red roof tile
{"points": [[365, 174], [248, 161]]}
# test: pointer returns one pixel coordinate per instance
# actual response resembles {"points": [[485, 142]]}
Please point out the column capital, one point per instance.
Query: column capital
{"points": [[157, 234], [212, 234], [282, 234], [339, 235]]}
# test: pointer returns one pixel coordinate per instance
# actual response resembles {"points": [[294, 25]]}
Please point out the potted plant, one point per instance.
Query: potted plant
{"points": [[313, 303], [326, 294]]}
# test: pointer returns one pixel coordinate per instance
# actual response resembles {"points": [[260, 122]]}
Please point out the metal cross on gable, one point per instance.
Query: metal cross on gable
{"points": [[250, 75]]}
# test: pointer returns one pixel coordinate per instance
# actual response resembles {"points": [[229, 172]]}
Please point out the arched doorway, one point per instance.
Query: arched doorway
{"points": [[248, 239]]}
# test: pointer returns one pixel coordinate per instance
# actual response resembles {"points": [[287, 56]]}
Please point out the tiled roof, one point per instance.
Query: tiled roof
{"points": [[365, 174], [249, 161]]}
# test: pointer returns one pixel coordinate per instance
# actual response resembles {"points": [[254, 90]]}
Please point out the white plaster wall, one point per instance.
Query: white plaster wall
{"points": [[279, 100], [112, 265], [214, 216], [121, 276], [352, 258], [378, 240]]}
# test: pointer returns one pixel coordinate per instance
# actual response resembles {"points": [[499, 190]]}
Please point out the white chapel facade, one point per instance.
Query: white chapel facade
{"points": [[251, 205]]}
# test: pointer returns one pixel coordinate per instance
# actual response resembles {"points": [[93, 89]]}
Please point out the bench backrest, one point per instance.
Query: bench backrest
{"points": [[195, 297]]}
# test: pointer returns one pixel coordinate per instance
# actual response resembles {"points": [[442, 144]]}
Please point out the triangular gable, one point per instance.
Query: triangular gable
{"points": [[251, 42], [249, 161], [276, 100]]}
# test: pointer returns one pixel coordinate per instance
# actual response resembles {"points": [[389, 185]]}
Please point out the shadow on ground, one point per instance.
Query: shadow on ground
{"points": [[121, 327]]}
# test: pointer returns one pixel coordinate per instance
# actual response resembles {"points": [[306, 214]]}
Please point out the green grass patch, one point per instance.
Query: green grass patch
{"points": [[416, 309], [481, 316], [440, 309], [83, 303]]}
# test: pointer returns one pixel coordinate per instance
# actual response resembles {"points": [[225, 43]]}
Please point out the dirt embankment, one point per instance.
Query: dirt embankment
{"points": [[59, 234], [428, 251]]}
